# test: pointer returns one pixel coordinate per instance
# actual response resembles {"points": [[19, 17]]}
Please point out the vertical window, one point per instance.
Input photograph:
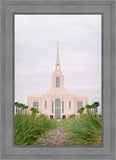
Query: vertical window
{"points": [[69, 104], [62, 107], [57, 109], [57, 82], [52, 107], [45, 104], [63, 104], [57, 102]]}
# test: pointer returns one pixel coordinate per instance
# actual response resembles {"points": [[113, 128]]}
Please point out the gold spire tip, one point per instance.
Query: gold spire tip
{"points": [[57, 43]]}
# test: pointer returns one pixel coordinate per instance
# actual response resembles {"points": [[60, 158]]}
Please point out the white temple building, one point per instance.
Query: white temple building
{"points": [[57, 103]]}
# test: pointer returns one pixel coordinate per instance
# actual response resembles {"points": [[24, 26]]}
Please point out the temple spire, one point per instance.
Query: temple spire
{"points": [[57, 60], [57, 50]]}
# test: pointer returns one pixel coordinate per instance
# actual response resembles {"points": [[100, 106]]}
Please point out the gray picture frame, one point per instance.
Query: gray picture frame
{"points": [[7, 10]]}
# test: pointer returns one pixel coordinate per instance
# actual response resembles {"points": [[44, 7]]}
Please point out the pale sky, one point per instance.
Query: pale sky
{"points": [[79, 38]]}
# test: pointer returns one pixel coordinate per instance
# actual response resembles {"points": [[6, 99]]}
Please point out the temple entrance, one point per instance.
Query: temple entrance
{"points": [[57, 109], [51, 116], [63, 117]]}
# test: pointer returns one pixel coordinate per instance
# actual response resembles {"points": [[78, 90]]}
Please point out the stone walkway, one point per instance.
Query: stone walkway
{"points": [[56, 137]]}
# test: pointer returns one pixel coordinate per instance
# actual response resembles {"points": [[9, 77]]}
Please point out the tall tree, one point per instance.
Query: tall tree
{"points": [[94, 106], [88, 108], [16, 105], [21, 106], [26, 107]]}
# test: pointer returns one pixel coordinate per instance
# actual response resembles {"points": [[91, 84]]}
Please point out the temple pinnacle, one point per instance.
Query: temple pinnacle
{"points": [[57, 50]]}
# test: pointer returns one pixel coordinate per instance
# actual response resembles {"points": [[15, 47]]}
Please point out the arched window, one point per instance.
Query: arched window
{"points": [[45, 104], [62, 107], [69, 104], [57, 109], [57, 102], [57, 82]]}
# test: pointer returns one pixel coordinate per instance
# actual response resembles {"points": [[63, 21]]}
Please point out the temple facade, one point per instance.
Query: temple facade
{"points": [[57, 103]]}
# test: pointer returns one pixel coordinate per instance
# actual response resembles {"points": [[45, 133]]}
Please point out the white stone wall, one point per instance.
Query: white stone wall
{"points": [[65, 98]]}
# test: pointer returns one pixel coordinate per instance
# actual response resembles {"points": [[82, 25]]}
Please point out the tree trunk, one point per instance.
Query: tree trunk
{"points": [[16, 110], [87, 111], [21, 110], [96, 110]]}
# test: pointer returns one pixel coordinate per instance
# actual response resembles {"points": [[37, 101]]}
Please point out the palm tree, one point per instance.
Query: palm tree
{"points": [[34, 111], [22, 106], [91, 111], [95, 105], [16, 105], [26, 107], [88, 107]]}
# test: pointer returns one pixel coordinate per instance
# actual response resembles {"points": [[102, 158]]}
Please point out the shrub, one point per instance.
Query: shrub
{"points": [[72, 115], [28, 128], [85, 130], [34, 111]]}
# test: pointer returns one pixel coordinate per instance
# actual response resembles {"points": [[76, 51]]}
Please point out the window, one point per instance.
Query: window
{"points": [[45, 104], [79, 105], [63, 104], [57, 109], [62, 107], [69, 104], [57, 82], [52, 109], [57, 102], [35, 104], [52, 103]]}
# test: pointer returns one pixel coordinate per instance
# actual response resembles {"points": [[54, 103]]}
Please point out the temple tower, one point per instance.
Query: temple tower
{"points": [[57, 77]]}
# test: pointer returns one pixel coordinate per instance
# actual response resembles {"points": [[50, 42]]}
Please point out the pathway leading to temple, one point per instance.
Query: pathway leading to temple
{"points": [[57, 137]]}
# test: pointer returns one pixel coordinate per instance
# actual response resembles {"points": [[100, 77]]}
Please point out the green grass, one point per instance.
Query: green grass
{"points": [[85, 130], [28, 128]]}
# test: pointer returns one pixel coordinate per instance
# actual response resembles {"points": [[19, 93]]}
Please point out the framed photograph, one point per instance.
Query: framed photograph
{"points": [[82, 69], [57, 79]]}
